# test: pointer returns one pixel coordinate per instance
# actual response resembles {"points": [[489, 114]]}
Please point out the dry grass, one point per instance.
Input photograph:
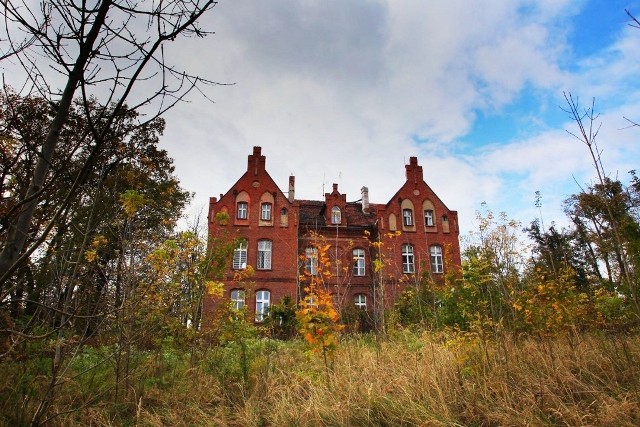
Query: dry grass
{"points": [[408, 380]]}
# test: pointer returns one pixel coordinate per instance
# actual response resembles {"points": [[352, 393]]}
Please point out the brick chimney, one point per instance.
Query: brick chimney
{"points": [[292, 188], [256, 161], [414, 171], [364, 191]]}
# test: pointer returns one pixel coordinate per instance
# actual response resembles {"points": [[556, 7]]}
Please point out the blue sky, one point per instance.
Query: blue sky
{"points": [[345, 91]]}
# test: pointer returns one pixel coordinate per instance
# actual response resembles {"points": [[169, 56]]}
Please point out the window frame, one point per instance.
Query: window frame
{"points": [[429, 218], [238, 298], [436, 259], [359, 262], [360, 301], [262, 304], [408, 259], [336, 215], [238, 251], [311, 260], [265, 254], [266, 208], [407, 217], [242, 210]]}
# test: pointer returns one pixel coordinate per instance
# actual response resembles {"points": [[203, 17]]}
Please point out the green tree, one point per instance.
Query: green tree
{"points": [[605, 213]]}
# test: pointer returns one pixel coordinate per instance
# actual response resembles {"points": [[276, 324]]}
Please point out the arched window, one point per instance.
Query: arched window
{"points": [[429, 215], [284, 217], [360, 301], [264, 255], [263, 300], [242, 206], [392, 222], [408, 265], [436, 259], [358, 262], [407, 211], [237, 298], [336, 215]]}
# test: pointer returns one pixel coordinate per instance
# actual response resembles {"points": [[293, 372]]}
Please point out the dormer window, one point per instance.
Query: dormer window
{"points": [[336, 215]]}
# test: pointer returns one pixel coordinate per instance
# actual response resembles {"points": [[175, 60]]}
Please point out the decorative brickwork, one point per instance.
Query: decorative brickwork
{"points": [[414, 234]]}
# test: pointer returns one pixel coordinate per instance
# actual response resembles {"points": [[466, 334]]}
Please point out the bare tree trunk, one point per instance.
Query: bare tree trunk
{"points": [[19, 229]]}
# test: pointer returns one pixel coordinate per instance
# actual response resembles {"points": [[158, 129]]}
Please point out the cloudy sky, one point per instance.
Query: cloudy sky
{"points": [[345, 91]]}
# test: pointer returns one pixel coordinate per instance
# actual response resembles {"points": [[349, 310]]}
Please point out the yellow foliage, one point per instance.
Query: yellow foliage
{"points": [[91, 255], [132, 201], [214, 289]]}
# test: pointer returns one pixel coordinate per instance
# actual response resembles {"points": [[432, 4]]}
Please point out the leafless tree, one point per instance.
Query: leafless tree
{"points": [[100, 49]]}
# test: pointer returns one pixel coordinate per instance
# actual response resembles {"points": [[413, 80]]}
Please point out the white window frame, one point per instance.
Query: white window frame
{"points": [[428, 218], [311, 300], [437, 265], [240, 256], [264, 254], [311, 260], [360, 301], [265, 211], [359, 262], [408, 259], [263, 301], [238, 298], [242, 210], [336, 215], [407, 217]]}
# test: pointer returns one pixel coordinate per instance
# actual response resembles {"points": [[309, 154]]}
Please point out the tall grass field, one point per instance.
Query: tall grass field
{"points": [[407, 379]]}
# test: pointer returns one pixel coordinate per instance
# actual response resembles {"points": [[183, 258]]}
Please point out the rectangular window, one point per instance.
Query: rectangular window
{"points": [[263, 300], [264, 254], [358, 262], [428, 218], [408, 265], [242, 210], [265, 212], [311, 261], [240, 256], [407, 215], [237, 299], [436, 259]]}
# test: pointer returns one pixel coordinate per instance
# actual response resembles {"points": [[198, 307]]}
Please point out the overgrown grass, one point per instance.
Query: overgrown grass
{"points": [[410, 379]]}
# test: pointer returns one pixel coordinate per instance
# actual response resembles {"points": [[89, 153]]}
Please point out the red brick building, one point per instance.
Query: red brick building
{"points": [[413, 234]]}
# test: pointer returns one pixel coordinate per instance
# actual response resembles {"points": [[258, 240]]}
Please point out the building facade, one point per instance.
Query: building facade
{"points": [[365, 253]]}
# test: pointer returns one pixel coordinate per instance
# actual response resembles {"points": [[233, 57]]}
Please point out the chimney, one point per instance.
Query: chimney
{"points": [[364, 191], [292, 188], [414, 171]]}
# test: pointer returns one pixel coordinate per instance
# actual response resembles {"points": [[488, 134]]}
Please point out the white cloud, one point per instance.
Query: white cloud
{"points": [[345, 91]]}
